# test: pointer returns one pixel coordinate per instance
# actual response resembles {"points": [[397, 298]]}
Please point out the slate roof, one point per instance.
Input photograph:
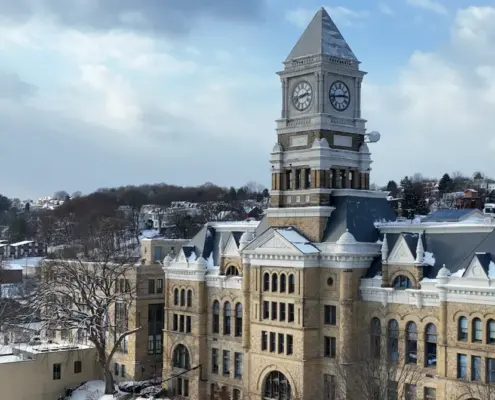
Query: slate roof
{"points": [[451, 215], [322, 37], [358, 215], [455, 250]]}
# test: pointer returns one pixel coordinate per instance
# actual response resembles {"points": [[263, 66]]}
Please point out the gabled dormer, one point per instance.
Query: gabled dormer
{"points": [[402, 266], [230, 260], [481, 267]]}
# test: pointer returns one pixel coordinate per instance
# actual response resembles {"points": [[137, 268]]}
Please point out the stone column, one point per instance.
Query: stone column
{"points": [[338, 178], [317, 178], [442, 334], [362, 180], [246, 307], [347, 182], [367, 180], [385, 282], [284, 98], [330, 178], [294, 172], [346, 319], [303, 178]]}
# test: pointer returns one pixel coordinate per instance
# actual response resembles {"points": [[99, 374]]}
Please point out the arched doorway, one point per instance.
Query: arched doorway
{"points": [[276, 387]]}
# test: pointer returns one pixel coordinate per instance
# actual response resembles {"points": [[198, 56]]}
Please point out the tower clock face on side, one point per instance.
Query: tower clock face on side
{"points": [[302, 96], [339, 95]]}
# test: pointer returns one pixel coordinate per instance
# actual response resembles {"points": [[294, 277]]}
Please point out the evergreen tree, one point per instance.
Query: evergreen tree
{"points": [[413, 198], [446, 184], [392, 188]]}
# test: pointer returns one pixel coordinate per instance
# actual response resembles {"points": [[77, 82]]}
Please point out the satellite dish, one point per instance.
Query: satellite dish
{"points": [[374, 136]]}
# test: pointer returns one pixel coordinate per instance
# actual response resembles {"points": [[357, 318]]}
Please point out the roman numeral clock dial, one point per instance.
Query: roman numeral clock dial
{"points": [[340, 96], [302, 96]]}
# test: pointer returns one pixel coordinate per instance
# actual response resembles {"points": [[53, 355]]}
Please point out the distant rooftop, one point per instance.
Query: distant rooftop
{"points": [[452, 215]]}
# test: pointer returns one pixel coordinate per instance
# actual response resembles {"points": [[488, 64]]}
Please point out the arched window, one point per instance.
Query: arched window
{"points": [[292, 283], [274, 282], [183, 297], [283, 283], [181, 357], [238, 319], [402, 282], [216, 317], [236, 394], [266, 281], [431, 338], [232, 271], [276, 387], [393, 340], [490, 332], [376, 335], [477, 330], [411, 343], [176, 297], [462, 330], [226, 318], [189, 298]]}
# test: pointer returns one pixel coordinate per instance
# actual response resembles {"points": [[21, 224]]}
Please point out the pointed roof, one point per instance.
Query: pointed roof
{"points": [[322, 37]]}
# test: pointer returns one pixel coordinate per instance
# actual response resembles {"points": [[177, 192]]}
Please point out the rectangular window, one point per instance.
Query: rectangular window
{"points": [[274, 310], [226, 363], [116, 369], [430, 394], [410, 392], [159, 286], [329, 387], [157, 254], [238, 365], [490, 370], [151, 286], [298, 178], [266, 309], [307, 180], [476, 368], [185, 389], [151, 344], [181, 323], [77, 367], [122, 371], [282, 311], [57, 371], [264, 340], [290, 313], [289, 182], [329, 347], [330, 315], [281, 343], [461, 365], [214, 361], [290, 342], [188, 324], [392, 390], [175, 322], [272, 341]]}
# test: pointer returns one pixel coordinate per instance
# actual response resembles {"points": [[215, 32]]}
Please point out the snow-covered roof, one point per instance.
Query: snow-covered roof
{"points": [[299, 241], [21, 243]]}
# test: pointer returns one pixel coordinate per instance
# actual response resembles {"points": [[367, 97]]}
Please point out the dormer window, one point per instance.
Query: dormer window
{"points": [[402, 282], [232, 271]]}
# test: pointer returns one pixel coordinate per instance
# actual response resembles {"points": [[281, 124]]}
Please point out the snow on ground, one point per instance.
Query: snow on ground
{"points": [[93, 390], [20, 263]]}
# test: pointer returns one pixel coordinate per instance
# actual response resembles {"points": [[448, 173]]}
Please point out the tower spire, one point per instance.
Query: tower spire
{"points": [[322, 37]]}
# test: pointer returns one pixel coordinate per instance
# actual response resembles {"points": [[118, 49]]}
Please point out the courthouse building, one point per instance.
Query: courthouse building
{"points": [[277, 309]]}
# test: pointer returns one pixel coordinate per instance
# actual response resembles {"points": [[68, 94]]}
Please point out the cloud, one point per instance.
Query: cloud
{"points": [[301, 17], [13, 88], [429, 5], [156, 16], [385, 9], [439, 112]]}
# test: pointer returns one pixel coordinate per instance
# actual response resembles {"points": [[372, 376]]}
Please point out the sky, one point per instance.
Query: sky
{"points": [[118, 92]]}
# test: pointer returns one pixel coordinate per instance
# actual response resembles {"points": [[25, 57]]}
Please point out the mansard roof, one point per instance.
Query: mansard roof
{"points": [[456, 249], [358, 215]]}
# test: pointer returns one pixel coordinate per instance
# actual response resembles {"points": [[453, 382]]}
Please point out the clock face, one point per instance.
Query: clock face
{"points": [[302, 96], [340, 97]]}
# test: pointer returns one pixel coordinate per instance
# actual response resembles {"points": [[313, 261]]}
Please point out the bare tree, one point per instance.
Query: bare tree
{"points": [[90, 296], [376, 369], [476, 390]]}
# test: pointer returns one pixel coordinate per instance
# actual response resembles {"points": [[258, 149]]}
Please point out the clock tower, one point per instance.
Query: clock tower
{"points": [[321, 149]]}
